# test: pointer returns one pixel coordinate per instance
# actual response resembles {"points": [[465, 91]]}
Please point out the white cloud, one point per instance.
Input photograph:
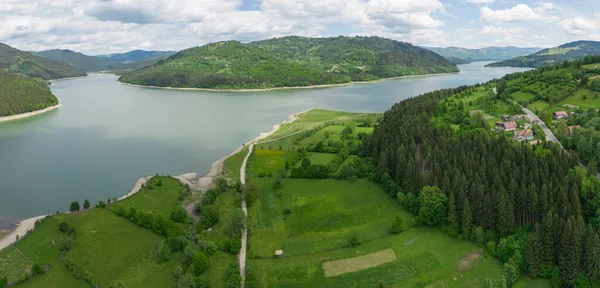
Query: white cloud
{"points": [[480, 1], [580, 26], [518, 13]]}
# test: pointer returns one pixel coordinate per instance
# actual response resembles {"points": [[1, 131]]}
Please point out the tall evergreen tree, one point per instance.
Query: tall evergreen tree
{"points": [[504, 223], [467, 219], [533, 254], [452, 221], [592, 259], [568, 260]]}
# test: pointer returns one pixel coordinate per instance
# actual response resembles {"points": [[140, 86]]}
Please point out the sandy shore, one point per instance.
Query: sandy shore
{"points": [[24, 227], [287, 88], [29, 114]]}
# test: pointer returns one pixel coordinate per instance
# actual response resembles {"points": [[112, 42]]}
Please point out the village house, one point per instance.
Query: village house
{"points": [[526, 135], [505, 117], [517, 117], [507, 126], [560, 114], [572, 129]]}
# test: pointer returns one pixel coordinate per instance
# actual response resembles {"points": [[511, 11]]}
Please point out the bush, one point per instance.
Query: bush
{"points": [[353, 241], [66, 245], [207, 247], [86, 204], [235, 245], [162, 253], [186, 281], [199, 264], [209, 216], [36, 269], [101, 204], [179, 215], [238, 222], [74, 206], [3, 282], [221, 184], [398, 225], [65, 228], [177, 243]]}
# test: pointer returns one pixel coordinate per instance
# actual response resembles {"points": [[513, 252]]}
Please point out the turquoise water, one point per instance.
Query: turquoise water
{"points": [[107, 134]]}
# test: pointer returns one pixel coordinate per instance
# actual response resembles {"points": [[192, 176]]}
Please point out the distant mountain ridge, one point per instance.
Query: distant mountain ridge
{"points": [[492, 53], [25, 63], [291, 61], [555, 55], [80, 61], [137, 56]]}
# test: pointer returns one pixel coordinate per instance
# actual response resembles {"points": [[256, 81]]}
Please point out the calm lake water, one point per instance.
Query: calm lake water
{"points": [[107, 135]]}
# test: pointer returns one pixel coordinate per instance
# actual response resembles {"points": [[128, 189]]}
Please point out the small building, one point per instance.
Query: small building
{"points": [[572, 129], [505, 117], [560, 114], [524, 135], [517, 117], [508, 126], [279, 253]]}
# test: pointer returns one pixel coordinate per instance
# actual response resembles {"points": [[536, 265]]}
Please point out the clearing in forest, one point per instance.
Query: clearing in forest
{"points": [[343, 266]]}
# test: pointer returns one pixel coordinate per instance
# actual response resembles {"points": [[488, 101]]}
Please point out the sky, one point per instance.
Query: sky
{"points": [[97, 27]]}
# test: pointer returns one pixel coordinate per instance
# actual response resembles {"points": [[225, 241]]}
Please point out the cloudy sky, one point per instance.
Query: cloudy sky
{"points": [[109, 26]]}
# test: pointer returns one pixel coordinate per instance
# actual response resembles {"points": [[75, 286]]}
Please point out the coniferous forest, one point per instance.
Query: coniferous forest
{"points": [[531, 206]]}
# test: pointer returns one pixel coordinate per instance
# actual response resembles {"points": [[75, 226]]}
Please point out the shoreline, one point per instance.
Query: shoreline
{"points": [[287, 88], [202, 184], [29, 114]]}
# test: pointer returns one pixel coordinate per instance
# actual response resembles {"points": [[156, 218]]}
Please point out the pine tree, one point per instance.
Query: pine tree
{"points": [[504, 224], [467, 219], [533, 254], [452, 221], [592, 259], [568, 260]]}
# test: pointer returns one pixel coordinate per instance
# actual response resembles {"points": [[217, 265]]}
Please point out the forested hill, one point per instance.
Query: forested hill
{"points": [[550, 56], [21, 62], [80, 61], [289, 62], [21, 94], [528, 204], [137, 56], [483, 54]]}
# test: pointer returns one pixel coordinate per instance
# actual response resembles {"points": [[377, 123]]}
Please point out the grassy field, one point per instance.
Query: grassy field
{"points": [[324, 215], [538, 105], [591, 66], [57, 277], [42, 245], [269, 162], [577, 99], [231, 165], [113, 248], [158, 199], [520, 96], [13, 265]]}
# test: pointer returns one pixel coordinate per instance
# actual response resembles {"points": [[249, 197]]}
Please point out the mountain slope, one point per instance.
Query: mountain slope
{"points": [[21, 94], [550, 56], [21, 62], [80, 61], [483, 54], [138, 55], [289, 62]]}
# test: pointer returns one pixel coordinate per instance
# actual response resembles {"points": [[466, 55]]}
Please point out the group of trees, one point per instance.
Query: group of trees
{"points": [[21, 94], [485, 186], [275, 63]]}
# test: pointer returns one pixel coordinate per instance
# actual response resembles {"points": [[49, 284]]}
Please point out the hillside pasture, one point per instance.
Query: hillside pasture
{"points": [[153, 198]]}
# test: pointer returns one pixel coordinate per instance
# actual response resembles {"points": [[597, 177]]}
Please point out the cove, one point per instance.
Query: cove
{"points": [[106, 135]]}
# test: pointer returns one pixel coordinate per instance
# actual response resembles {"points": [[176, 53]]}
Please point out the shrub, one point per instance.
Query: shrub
{"points": [[235, 245], [198, 208], [238, 222], [101, 204], [121, 211], [353, 241], [177, 243], [398, 225], [207, 247], [209, 216], [199, 264], [160, 225], [74, 206], [131, 213], [162, 253], [221, 184], [66, 245], [186, 281], [179, 215], [36, 269], [86, 204], [177, 272], [3, 282]]}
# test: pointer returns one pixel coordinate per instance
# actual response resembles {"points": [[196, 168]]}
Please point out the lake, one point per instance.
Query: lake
{"points": [[107, 134]]}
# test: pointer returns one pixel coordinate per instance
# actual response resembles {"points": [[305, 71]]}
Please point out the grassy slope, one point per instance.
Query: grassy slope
{"points": [[57, 277], [160, 199], [21, 94], [113, 248]]}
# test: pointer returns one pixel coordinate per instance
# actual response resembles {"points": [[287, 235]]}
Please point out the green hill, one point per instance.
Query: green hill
{"points": [[21, 62], [289, 62], [138, 55], [80, 61], [483, 54], [21, 94], [550, 56]]}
